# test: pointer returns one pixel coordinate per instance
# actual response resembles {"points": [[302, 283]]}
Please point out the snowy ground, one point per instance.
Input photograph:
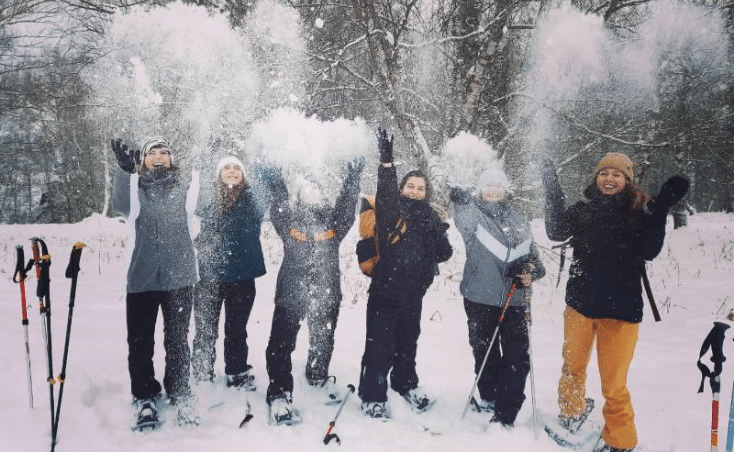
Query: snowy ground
{"points": [[691, 280]]}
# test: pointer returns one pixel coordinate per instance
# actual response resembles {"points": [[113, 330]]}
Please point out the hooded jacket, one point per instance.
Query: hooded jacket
{"points": [[311, 237], [159, 207], [610, 244], [407, 267], [496, 239]]}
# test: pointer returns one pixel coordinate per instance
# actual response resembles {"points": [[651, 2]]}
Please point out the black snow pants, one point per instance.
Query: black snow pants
{"points": [[142, 313], [321, 315], [237, 298], [504, 375], [390, 347]]}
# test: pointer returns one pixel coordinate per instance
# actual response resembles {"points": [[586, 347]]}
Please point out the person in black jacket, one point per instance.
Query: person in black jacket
{"points": [[412, 240], [612, 235], [230, 258], [308, 285]]}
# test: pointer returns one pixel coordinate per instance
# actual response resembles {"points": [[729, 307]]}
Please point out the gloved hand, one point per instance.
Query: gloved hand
{"points": [[672, 191], [520, 272], [126, 158], [356, 166], [459, 195], [548, 172], [384, 144]]}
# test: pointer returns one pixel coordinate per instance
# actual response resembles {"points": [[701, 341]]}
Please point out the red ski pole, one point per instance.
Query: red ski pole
{"points": [[21, 272]]}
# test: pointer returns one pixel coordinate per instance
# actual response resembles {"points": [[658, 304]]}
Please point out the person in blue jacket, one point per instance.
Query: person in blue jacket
{"points": [[308, 285], [500, 255], [230, 258]]}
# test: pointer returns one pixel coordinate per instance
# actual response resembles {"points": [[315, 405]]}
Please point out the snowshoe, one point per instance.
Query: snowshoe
{"points": [[146, 415], [376, 410], [187, 414], [574, 433], [573, 424], [329, 388], [482, 406], [418, 400], [281, 410], [244, 380], [601, 446]]}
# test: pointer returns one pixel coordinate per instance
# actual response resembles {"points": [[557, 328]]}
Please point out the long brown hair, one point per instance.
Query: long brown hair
{"points": [[638, 197]]}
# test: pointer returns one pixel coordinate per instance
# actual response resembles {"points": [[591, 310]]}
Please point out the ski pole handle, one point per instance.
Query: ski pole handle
{"points": [[72, 270]]}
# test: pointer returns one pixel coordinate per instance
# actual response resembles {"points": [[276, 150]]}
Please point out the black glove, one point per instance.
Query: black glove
{"points": [[518, 267], [672, 191], [384, 144], [356, 166], [126, 158], [460, 195], [548, 172]]}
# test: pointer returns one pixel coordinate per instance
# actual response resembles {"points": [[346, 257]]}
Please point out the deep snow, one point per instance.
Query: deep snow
{"points": [[691, 280]]}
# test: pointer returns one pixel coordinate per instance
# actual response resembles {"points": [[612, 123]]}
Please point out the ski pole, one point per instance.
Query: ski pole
{"points": [[715, 341], [248, 415], [72, 272], [730, 431], [329, 435], [21, 272], [529, 321], [505, 305], [43, 261]]}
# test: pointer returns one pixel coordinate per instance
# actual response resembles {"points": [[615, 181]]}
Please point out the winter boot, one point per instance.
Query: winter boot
{"points": [[146, 414], [496, 420], [328, 387], [601, 446], [418, 400], [573, 424], [186, 411], [244, 380], [375, 410], [281, 410]]}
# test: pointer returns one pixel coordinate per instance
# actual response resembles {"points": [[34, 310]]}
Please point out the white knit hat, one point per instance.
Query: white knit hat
{"points": [[229, 160], [493, 177]]}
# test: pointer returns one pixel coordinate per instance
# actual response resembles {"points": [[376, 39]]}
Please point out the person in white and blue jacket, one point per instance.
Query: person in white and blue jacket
{"points": [[230, 258], [500, 254], [159, 205]]}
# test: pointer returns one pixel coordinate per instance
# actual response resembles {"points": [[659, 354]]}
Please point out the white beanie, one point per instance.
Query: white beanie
{"points": [[229, 160], [494, 177]]}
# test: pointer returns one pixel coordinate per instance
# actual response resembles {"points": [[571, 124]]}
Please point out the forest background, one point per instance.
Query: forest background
{"points": [[568, 81]]}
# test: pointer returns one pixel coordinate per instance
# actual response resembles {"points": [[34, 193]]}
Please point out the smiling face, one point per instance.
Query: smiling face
{"points": [[158, 157], [610, 181], [231, 174], [415, 188], [493, 193]]}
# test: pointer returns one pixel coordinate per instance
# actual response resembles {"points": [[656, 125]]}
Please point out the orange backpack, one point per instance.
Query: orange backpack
{"points": [[368, 250]]}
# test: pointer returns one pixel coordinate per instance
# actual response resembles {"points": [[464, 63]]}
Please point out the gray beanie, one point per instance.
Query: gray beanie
{"points": [[228, 160], [156, 143]]}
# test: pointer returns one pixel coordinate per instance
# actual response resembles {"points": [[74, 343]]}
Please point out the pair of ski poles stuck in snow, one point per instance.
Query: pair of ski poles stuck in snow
{"points": [[42, 261], [715, 342]]}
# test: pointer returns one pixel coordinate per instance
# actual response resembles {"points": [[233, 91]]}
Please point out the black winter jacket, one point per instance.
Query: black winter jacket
{"points": [[406, 268], [610, 244]]}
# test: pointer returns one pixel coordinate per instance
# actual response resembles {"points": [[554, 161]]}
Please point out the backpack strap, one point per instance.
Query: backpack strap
{"points": [[563, 246], [648, 291]]}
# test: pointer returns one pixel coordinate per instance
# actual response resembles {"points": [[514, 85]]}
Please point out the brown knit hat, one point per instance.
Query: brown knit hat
{"points": [[617, 161]]}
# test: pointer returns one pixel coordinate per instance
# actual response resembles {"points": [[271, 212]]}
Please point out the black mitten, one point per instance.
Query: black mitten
{"points": [[384, 144], [126, 158], [672, 191], [460, 195]]}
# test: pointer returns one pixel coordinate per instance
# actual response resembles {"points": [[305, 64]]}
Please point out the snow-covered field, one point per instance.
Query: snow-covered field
{"points": [[691, 279]]}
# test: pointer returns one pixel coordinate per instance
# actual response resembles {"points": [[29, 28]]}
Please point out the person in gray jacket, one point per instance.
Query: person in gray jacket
{"points": [[500, 255], [159, 206]]}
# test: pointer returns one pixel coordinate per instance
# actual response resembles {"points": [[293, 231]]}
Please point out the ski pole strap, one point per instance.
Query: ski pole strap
{"points": [[563, 247], [72, 270], [648, 291], [715, 341], [43, 261], [21, 271]]}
